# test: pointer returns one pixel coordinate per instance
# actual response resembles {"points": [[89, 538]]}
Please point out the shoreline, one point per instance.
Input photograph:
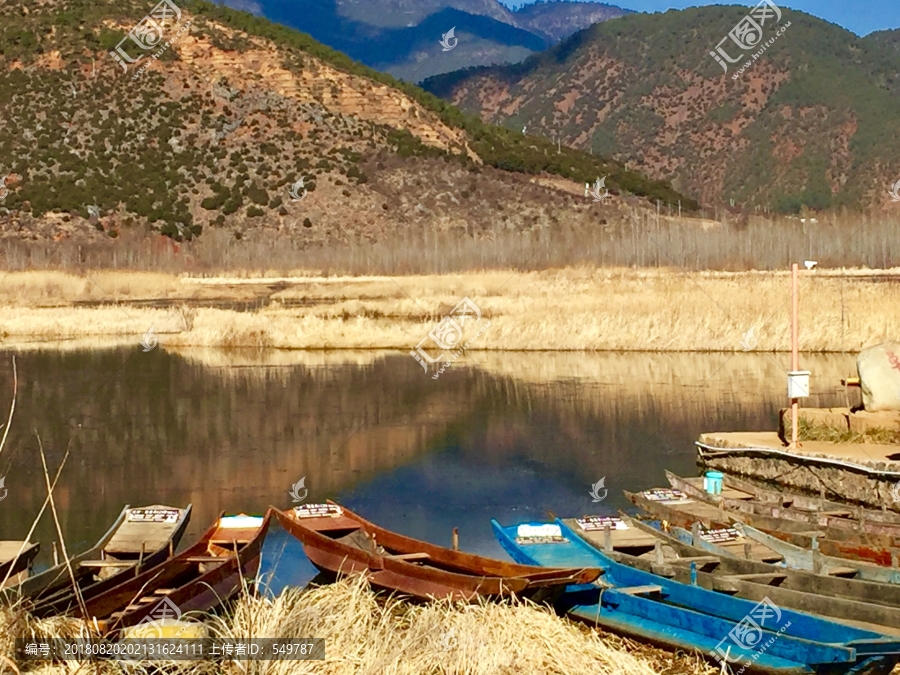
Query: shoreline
{"points": [[566, 310]]}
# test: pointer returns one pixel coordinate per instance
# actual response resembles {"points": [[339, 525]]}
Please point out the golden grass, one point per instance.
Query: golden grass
{"points": [[817, 432], [568, 309], [367, 634]]}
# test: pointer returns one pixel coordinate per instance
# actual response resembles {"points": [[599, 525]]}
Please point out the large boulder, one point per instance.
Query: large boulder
{"points": [[879, 376]]}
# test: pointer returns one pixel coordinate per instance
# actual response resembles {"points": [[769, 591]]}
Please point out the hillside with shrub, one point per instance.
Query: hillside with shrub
{"points": [[811, 123], [219, 130]]}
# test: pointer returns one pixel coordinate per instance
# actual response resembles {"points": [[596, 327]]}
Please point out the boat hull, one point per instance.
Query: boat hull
{"points": [[54, 600], [201, 578], [688, 617], [842, 600], [392, 564], [884, 532]]}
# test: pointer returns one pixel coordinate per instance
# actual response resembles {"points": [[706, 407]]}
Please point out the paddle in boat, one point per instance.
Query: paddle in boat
{"points": [[200, 578], [139, 538], [338, 541], [645, 606]]}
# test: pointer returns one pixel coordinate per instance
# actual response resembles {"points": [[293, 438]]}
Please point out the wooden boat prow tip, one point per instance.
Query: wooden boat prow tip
{"points": [[325, 517], [16, 560]]}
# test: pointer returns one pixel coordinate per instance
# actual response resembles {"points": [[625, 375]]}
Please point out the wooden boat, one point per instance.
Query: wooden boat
{"points": [[836, 579], [338, 541], [678, 509], [857, 603], [852, 521], [650, 607], [806, 502], [16, 561], [816, 559], [139, 537], [200, 578], [683, 511]]}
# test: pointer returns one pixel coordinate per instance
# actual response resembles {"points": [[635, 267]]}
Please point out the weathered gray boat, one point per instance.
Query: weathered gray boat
{"points": [[139, 539], [852, 520], [16, 560], [849, 599], [809, 503], [685, 510], [815, 560], [832, 581]]}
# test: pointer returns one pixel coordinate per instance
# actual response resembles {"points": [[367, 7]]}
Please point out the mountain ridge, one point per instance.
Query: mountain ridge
{"points": [[219, 130], [401, 37], [644, 90]]}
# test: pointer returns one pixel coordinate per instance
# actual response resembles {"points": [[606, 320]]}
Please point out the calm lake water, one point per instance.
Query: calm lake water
{"points": [[509, 436]]}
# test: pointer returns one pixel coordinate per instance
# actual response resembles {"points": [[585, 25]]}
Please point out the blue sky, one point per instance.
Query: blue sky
{"points": [[860, 16]]}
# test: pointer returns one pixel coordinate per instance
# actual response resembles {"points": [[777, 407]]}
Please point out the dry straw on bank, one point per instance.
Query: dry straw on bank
{"points": [[575, 308], [371, 635]]}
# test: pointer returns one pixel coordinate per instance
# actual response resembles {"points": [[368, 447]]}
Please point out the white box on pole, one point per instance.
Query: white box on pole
{"points": [[798, 384]]}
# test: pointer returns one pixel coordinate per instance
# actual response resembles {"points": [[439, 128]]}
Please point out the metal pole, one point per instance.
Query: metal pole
{"points": [[795, 353]]}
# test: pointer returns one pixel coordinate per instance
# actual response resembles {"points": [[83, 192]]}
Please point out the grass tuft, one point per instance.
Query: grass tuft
{"points": [[368, 633]]}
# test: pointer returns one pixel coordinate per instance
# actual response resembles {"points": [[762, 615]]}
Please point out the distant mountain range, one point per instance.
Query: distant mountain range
{"points": [[812, 122], [403, 37]]}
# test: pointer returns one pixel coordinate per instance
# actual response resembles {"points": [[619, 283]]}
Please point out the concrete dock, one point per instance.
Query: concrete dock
{"points": [[861, 473]]}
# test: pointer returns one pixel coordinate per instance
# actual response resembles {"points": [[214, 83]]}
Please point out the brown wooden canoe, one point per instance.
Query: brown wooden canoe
{"points": [[337, 541], [198, 579]]}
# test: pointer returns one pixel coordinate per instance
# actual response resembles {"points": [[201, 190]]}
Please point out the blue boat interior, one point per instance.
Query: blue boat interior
{"points": [[644, 605]]}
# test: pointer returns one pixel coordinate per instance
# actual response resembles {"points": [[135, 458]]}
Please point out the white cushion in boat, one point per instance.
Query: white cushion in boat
{"points": [[545, 530]]}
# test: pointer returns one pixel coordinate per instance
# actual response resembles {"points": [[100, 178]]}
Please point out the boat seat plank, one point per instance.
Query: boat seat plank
{"points": [[10, 549], [206, 559], [107, 563], [409, 556], [841, 571], [699, 559], [762, 576], [130, 537], [640, 590]]}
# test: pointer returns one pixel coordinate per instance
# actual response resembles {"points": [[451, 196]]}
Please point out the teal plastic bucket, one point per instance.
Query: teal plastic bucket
{"points": [[712, 482]]}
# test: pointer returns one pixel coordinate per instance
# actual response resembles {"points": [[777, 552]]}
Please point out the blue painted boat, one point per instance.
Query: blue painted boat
{"points": [[759, 636]]}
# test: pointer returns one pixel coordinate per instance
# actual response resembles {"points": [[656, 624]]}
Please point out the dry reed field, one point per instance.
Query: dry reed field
{"points": [[368, 634], [575, 308], [625, 236]]}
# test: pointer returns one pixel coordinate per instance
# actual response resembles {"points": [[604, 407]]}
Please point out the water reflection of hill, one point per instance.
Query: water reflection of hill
{"points": [[234, 431]]}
